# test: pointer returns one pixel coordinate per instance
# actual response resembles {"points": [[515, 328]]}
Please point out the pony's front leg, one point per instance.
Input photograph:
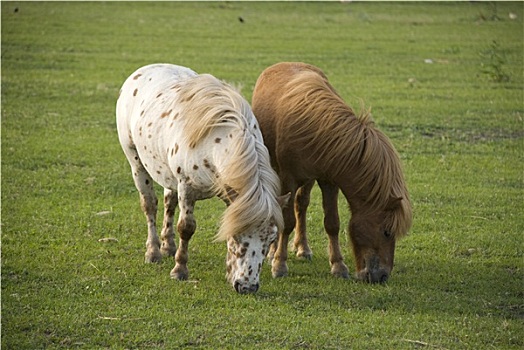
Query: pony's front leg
{"points": [[168, 247], [186, 228], [302, 200], [332, 226], [279, 262]]}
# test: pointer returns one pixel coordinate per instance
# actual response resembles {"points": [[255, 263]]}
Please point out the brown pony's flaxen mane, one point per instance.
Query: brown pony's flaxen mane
{"points": [[345, 143]]}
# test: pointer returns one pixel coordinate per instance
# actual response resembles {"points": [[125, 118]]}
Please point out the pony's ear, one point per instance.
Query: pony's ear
{"points": [[284, 200], [393, 203]]}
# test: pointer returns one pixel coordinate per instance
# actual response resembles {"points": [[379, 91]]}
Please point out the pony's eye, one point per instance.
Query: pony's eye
{"points": [[387, 233]]}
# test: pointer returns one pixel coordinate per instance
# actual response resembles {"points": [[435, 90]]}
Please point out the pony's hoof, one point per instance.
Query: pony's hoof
{"points": [[340, 270], [153, 257], [305, 254], [179, 273], [279, 269], [168, 250]]}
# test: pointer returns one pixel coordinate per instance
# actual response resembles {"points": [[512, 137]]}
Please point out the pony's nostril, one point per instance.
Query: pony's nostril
{"points": [[237, 286], [368, 277], [384, 278], [254, 288]]}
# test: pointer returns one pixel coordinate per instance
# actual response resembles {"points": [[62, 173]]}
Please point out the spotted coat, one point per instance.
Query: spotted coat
{"points": [[153, 119]]}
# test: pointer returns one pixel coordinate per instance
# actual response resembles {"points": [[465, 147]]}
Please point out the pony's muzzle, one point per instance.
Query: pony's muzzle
{"points": [[373, 276], [246, 289], [377, 276], [373, 272]]}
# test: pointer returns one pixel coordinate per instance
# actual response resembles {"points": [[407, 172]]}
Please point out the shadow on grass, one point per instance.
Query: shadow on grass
{"points": [[455, 287]]}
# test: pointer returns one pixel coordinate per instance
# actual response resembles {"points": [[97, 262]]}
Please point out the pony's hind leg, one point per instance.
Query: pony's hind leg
{"points": [[332, 226], [302, 200], [168, 247], [186, 227], [148, 203]]}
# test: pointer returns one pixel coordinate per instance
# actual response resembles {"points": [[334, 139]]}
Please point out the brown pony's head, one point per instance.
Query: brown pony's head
{"points": [[380, 206], [373, 236]]}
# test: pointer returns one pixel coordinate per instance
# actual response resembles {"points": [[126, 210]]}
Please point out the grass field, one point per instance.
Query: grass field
{"points": [[445, 82]]}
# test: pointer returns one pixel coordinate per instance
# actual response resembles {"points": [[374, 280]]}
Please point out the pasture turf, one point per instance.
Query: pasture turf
{"points": [[445, 82]]}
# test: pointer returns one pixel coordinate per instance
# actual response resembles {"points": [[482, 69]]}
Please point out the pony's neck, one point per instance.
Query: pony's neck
{"points": [[355, 197]]}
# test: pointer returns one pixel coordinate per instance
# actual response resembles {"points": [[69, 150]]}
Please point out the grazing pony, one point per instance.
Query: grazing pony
{"points": [[313, 135], [197, 137]]}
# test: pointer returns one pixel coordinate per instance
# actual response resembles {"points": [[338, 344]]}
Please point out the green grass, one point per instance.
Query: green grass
{"points": [[458, 281]]}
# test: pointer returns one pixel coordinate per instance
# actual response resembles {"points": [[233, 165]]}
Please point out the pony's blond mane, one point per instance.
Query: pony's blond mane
{"points": [[345, 143], [209, 104]]}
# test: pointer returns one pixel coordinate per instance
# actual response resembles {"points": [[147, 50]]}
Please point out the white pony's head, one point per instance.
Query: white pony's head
{"points": [[247, 249], [245, 256]]}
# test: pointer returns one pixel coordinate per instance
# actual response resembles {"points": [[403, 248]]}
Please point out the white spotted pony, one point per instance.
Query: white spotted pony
{"points": [[197, 137]]}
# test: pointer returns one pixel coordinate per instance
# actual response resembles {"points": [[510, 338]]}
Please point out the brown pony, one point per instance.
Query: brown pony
{"points": [[313, 135]]}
